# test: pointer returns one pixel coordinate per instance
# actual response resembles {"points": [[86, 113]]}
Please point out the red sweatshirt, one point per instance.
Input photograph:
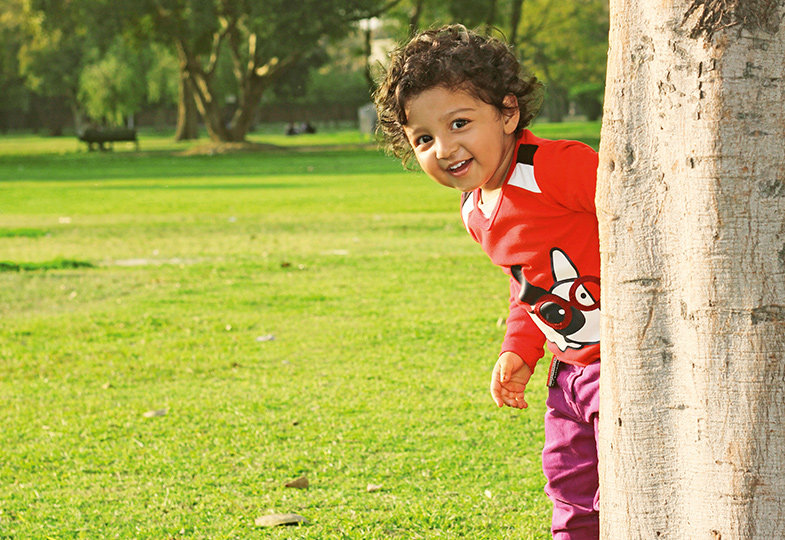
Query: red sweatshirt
{"points": [[543, 233]]}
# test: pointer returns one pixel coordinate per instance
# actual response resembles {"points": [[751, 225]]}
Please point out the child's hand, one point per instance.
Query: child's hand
{"points": [[509, 379]]}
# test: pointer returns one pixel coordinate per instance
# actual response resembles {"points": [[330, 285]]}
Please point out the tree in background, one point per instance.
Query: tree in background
{"points": [[128, 77], [54, 46], [15, 95], [691, 199], [565, 45], [263, 41], [229, 55]]}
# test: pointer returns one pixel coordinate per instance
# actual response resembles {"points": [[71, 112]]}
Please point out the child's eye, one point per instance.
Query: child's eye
{"points": [[422, 139], [458, 124]]}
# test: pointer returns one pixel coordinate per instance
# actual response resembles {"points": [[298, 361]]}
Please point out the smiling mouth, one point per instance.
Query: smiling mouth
{"points": [[460, 166]]}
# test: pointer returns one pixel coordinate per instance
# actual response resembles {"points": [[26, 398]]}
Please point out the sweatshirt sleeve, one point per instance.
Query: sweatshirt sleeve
{"points": [[568, 174], [523, 337]]}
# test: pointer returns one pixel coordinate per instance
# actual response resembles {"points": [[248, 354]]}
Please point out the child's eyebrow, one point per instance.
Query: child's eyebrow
{"points": [[454, 112]]}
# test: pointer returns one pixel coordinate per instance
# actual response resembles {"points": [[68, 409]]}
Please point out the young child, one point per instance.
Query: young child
{"points": [[457, 103]]}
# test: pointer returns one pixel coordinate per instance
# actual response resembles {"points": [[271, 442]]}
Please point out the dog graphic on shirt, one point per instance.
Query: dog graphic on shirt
{"points": [[568, 314]]}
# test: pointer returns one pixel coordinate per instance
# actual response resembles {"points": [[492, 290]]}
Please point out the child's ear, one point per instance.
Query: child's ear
{"points": [[511, 114]]}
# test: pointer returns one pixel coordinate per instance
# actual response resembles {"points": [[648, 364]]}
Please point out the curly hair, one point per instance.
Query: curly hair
{"points": [[455, 58]]}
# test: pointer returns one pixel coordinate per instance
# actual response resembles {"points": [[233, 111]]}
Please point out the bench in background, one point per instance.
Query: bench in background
{"points": [[104, 138]]}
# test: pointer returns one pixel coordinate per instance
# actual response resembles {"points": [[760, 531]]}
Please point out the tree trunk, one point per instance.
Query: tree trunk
{"points": [[187, 114], [367, 51], [556, 104], [78, 116], [515, 20], [490, 17], [691, 205], [414, 18], [209, 109], [250, 96]]}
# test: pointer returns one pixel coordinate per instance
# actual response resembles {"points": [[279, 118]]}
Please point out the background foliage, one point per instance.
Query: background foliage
{"points": [[66, 62]]}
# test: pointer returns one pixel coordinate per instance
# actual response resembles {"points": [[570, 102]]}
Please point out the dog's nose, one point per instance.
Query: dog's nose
{"points": [[553, 313]]}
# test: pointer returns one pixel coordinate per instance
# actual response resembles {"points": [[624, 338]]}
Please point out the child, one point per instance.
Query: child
{"points": [[457, 103]]}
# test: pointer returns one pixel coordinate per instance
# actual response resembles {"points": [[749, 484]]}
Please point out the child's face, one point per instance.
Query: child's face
{"points": [[459, 140]]}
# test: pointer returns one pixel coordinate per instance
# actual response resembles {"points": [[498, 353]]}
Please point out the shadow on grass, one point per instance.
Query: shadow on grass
{"points": [[105, 167], [211, 187], [56, 264], [23, 233]]}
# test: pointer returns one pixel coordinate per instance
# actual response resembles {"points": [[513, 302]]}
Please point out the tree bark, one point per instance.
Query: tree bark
{"points": [[187, 114], [691, 206], [204, 94]]}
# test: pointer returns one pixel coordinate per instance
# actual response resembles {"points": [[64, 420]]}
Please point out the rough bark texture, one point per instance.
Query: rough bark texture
{"points": [[187, 114], [691, 204]]}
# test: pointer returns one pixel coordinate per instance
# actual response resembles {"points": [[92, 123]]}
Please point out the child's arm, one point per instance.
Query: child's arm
{"points": [[522, 336], [509, 380]]}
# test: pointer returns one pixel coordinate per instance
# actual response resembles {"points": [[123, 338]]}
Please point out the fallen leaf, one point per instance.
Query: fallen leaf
{"points": [[158, 412], [298, 483], [273, 520], [372, 488]]}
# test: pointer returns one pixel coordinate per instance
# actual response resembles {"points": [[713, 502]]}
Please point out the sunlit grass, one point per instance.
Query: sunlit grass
{"points": [[318, 314]]}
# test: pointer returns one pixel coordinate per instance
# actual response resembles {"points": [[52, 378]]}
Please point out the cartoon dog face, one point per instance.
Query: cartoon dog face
{"points": [[568, 314]]}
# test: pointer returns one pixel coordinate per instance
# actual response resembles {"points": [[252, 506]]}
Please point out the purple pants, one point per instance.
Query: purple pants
{"points": [[569, 458]]}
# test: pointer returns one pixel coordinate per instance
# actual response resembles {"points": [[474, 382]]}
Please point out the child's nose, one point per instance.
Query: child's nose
{"points": [[444, 148]]}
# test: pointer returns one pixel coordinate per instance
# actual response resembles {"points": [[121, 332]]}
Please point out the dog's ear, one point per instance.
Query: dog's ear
{"points": [[563, 269], [530, 294], [516, 273]]}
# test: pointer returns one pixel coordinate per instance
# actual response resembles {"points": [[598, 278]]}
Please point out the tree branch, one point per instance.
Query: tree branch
{"points": [[215, 48]]}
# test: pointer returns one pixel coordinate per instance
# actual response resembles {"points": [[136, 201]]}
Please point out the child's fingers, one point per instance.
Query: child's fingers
{"points": [[513, 399], [496, 387], [505, 391]]}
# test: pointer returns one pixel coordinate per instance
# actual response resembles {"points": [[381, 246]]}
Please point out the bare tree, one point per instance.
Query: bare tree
{"points": [[691, 204]]}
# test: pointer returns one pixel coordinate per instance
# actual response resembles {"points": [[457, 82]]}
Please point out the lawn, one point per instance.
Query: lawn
{"points": [[183, 335]]}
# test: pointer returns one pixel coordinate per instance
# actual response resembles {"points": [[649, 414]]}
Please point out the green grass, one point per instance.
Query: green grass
{"points": [[318, 313]]}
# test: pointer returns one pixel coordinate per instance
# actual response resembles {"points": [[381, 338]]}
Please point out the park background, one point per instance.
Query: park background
{"points": [[191, 325]]}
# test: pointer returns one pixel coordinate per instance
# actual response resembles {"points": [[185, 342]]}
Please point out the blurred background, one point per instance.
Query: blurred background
{"points": [[225, 69]]}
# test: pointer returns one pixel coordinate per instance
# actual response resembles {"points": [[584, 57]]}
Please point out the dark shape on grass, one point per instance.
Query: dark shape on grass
{"points": [[273, 520], [104, 139], [56, 264], [23, 233], [298, 483]]}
